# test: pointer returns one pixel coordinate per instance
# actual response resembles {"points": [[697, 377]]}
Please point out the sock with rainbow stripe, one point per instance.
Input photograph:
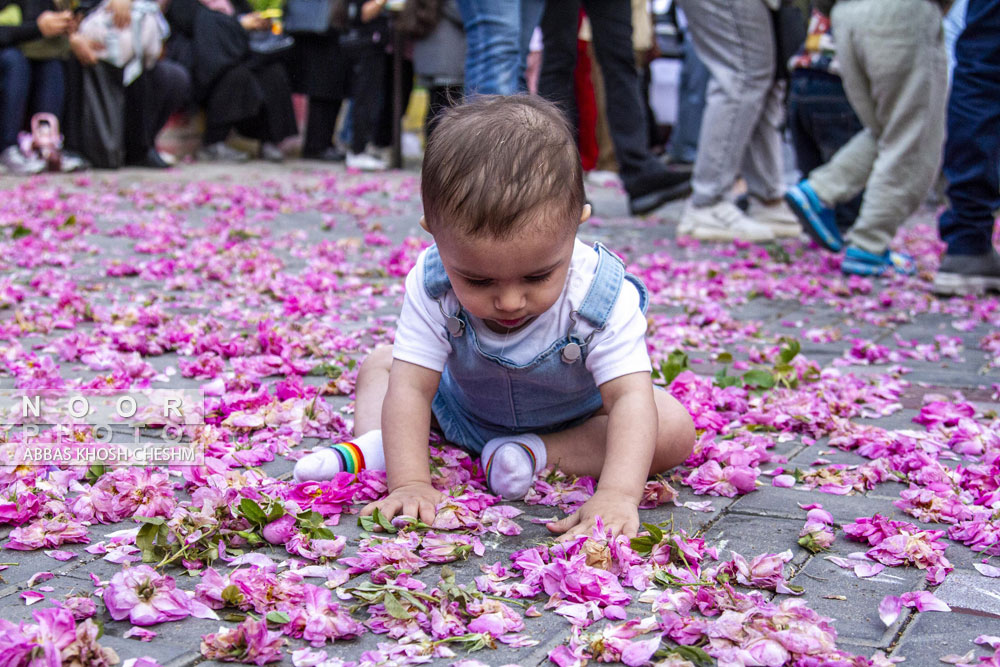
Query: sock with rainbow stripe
{"points": [[511, 463], [364, 451]]}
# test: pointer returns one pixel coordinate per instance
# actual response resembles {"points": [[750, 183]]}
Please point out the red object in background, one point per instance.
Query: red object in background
{"points": [[586, 104]]}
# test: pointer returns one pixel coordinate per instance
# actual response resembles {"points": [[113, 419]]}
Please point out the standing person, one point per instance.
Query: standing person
{"points": [[364, 31], [683, 147], [40, 82], [525, 345], [648, 183], [497, 34], [319, 72], [740, 129], [438, 53], [971, 157], [820, 117], [894, 68]]}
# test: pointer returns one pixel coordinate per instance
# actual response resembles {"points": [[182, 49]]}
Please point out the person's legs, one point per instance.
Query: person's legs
{"points": [[48, 93], [580, 450], [821, 121], [972, 151], [367, 67], [559, 55], [370, 389], [493, 63], [905, 68], [171, 85], [15, 82], [321, 121], [735, 40], [690, 107], [441, 98], [763, 165], [611, 22]]}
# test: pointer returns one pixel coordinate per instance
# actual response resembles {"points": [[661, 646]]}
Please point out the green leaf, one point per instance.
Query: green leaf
{"points": [[94, 473], [20, 232], [790, 350], [723, 380], [252, 511], [654, 532], [675, 364], [232, 595], [367, 523], [234, 617], [695, 655], [394, 608], [151, 520], [328, 369], [758, 379], [724, 358], [278, 617], [69, 221]]}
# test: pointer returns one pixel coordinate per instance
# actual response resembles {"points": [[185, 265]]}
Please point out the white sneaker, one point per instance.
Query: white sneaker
{"points": [[365, 162], [778, 216], [721, 222], [603, 179]]}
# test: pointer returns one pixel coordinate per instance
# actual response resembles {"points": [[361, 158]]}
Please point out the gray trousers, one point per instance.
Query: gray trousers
{"points": [[743, 107], [895, 73]]}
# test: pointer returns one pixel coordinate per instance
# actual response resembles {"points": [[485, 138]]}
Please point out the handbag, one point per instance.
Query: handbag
{"points": [[312, 16], [102, 118]]}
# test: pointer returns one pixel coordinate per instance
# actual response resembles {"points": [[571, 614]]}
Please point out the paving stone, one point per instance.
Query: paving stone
{"points": [[751, 536], [856, 618], [778, 502]]}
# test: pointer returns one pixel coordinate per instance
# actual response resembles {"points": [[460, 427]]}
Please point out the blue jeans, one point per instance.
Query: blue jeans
{"points": [[497, 33], [17, 74], [821, 120], [690, 106], [972, 149]]}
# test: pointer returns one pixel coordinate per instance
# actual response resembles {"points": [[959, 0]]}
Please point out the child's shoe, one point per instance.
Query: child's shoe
{"points": [[511, 464], [364, 452], [818, 220], [860, 262]]}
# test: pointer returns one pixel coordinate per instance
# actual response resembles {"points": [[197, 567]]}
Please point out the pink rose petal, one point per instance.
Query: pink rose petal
{"points": [[31, 597], [987, 570], [889, 608], [59, 554], [783, 481]]}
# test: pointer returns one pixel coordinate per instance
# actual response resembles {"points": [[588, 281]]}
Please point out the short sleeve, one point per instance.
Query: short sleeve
{"points": [[620, 348], [421, 335]]}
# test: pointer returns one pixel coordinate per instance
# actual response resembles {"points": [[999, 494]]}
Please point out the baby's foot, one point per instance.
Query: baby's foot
{"points": [[511, 464], [364, 452]]}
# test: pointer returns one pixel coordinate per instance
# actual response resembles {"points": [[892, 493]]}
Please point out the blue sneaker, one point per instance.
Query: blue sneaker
{"points": [[860, 262], [819, 221]]}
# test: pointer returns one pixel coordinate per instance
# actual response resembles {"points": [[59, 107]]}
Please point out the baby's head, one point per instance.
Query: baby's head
{"points": [[503, 196]]}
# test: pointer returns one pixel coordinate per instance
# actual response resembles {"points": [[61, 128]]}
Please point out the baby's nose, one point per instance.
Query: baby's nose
{"points": [[509, 300]]}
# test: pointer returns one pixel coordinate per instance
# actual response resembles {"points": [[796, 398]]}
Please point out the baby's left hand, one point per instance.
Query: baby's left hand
{"points": [[619, 515]]}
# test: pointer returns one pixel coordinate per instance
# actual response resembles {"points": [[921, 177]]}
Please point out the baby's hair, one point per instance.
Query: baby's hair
{"points": [[497, 163]]}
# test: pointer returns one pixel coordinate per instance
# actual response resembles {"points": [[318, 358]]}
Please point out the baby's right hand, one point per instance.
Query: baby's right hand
{"points": [[416, 499]]}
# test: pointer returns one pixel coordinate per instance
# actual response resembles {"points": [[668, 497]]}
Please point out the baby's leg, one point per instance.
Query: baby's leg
{"points": [[580, 450], [370, 390], [365, 450]]}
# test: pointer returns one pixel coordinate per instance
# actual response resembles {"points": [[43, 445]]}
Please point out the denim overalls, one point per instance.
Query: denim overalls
{"points": [[483, 396]]}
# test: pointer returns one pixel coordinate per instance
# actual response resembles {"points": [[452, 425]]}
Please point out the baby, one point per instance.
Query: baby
{"points": [[518, 341]]}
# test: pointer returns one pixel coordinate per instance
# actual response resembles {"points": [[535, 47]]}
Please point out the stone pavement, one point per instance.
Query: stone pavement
{"points": [[767, 520]]}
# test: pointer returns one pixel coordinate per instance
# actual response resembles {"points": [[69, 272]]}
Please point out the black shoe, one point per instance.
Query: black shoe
{"points": [[331, 154], [153, 160], [968, 274], [677, 166], [652, 190]]}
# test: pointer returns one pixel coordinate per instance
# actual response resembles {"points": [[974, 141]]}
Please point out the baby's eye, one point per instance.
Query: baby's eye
{"points": [[478, 282], [539, 278]]}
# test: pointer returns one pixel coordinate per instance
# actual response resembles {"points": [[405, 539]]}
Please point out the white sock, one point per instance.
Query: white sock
{"points": [[364, 451], [511, 463]]}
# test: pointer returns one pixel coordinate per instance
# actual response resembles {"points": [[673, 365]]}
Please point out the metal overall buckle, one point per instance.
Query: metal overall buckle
{"points": [[573, 350], [454, 324]]}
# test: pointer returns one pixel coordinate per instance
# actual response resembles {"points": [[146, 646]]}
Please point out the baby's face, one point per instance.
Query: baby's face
{"points": [[508, 283]]}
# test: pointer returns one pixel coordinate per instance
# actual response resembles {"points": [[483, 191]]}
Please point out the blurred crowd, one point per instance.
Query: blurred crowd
{"points": [[674, 99]]}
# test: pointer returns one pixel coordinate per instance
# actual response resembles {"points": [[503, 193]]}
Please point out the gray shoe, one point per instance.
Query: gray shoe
{"points": [[968, 274], [20, 164], [221, 152], [271, 152]]}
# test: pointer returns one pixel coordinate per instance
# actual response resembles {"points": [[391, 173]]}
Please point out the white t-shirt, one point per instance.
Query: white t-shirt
{"points": [[617, 350]]}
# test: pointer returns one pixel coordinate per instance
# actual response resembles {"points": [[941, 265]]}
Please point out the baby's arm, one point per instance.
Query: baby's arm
{"points": [[406, 421], [631, 442]]}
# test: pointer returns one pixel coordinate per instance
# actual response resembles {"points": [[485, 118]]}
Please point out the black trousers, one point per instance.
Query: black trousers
{"points": [[611, 22], [149, 102]]}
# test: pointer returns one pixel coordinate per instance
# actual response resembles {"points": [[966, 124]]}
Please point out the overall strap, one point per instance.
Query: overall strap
{"points": [[436, 281], [603, 293]]}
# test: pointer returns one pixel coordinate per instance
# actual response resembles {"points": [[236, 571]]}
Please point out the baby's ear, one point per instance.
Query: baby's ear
{"points": [[584, 214], [423, 223]]}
